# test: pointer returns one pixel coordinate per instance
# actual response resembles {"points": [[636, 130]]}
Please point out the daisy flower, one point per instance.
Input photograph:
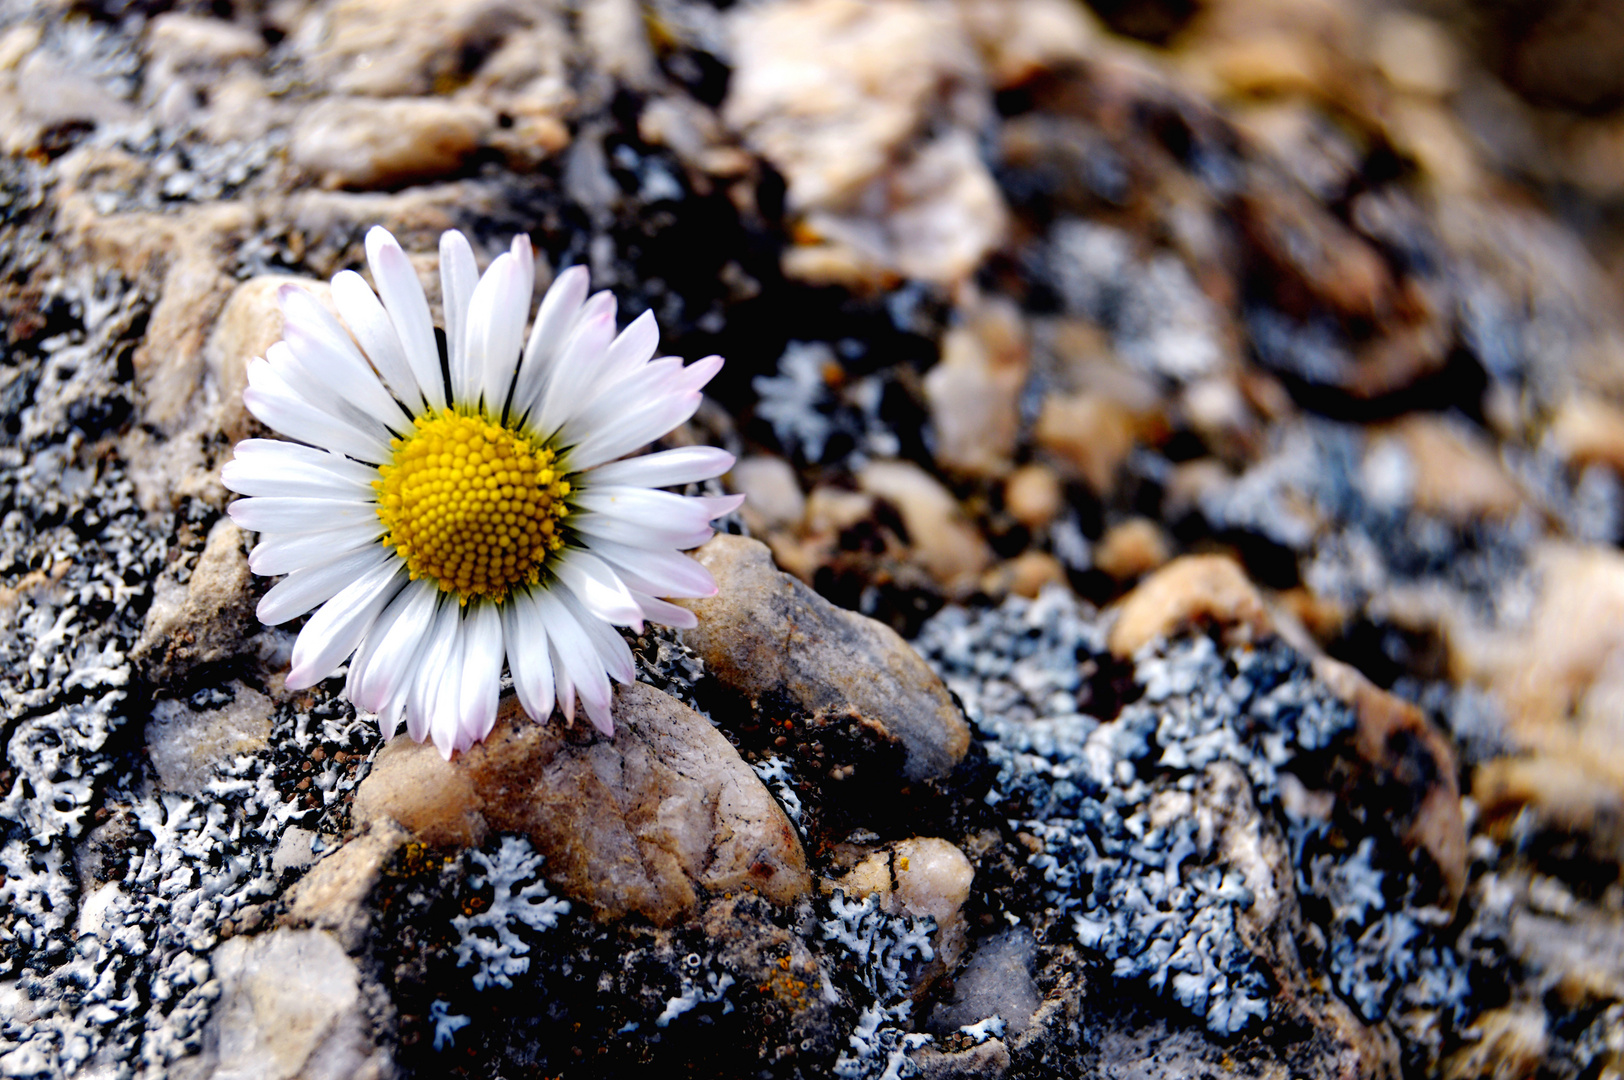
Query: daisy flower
{"points": [[442, 514]]}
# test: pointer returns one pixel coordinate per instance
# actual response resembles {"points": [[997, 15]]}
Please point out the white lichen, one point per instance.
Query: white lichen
{"points": [[490, 935]]}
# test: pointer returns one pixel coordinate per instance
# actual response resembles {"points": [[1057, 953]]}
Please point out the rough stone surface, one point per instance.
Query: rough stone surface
{"points": [[644, 823], [1194, 589], [766, 635], [290, 1006], [363, 143]]}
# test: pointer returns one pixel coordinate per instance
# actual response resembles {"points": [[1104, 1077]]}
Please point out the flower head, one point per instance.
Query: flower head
{"points": [[444, 514]]}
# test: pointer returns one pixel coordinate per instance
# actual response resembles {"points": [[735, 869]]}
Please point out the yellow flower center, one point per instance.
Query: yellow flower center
{"points": [[471, 504]]}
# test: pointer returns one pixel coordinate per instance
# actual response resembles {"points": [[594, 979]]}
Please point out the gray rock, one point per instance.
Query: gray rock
{"points": [[766, 634], [290, 1006]]}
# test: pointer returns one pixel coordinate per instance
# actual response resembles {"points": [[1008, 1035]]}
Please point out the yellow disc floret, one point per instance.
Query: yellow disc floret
{"points": [[472, 504]]}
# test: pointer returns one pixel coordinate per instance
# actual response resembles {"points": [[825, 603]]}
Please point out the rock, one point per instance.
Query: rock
{"points": [[205, 623], [1190, 590], [361, 143], [1588, 431], [1033, 496], [997, 981], [380, 49], [974, 392], [1510, 1041], [1131, 549], [249, 324], [918, 877], [1027, 574], [1456, 474], [943, 540], [437, 803], [333, 896], [290, 1006], [1412, 764], [644, 823], [1091, 433], [767, 636], [1416, 53], [186, 744], [772, 494], [186, 40], [1019, 42], [838, 95]]}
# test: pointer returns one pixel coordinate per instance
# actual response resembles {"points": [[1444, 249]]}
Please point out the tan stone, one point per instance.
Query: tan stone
{"points": [[333, 896], [918, 877], [1027, 574], [942, 537], [249, 324], [1510, 1041], [290, 1006], [772, 493], [1090, 432], [206, 620], [434, 800], [866, 111], [1020, 41], [1033, 495], [974, 392], [643, 823], [1131, 549], [767, 633], [187, 745], [1457, 475], [1589, 431], [1191, 590], [185, 40], [1404, 752], [1415, 53], [362, 143]]}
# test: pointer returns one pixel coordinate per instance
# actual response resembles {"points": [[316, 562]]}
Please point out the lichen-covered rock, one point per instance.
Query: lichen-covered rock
{"points": [[645, 823], [769, 637]]}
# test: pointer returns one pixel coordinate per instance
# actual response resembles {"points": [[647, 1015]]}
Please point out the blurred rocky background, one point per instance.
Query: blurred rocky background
{"points": [[1177, 624]]}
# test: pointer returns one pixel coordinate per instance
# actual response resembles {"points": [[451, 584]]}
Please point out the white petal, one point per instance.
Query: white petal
{"points": [[640, 506], [278, 514], [639, 426], [656, 572], [309, 380], [433, 664], [279, 450], [524, 635], [403, 298], [658, 611], [283, 554], [334, 631], [367, 651], [458, 276], [634, 534], [625, 356], [276, 405], [606, 641], [496, 315], [598, 589], [481, 675], [445, 717], [325, 350], [580, 354], [684, 465], [577, 668], [289, 474], [370, 324], [553, 321], [304, 589], [395, 648]]}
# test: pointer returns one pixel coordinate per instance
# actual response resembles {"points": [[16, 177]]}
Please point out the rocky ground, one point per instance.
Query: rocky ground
{"points": [[1177, 624]]}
